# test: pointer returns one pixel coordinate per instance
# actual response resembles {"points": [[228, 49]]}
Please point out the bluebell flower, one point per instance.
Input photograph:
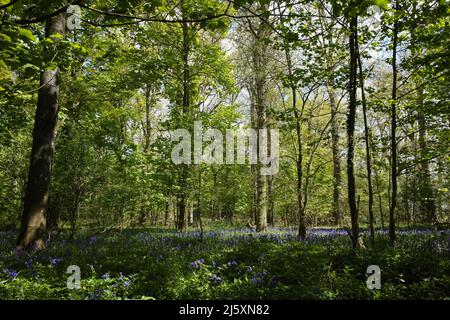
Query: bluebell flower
{"points": [[105, 276], [28, 263], [232, 263], [255, 280], [96, 294], [55, 261], [216, 279], [249, 269], [197, 263], [259, 277], [10, 272], [93, 240]]}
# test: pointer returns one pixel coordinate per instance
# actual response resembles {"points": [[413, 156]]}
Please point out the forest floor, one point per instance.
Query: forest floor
{"points": [[230, 264]]}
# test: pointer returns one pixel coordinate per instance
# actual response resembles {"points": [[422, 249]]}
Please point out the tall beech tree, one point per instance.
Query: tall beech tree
{"points": [[33, 223], [351, 118], [394, 164]]}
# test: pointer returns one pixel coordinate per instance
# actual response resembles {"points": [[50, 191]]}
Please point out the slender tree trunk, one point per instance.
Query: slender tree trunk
{"points": [[214, 205], [260, 61], [33, 223], [299, 160], [182, 201], [380, 202], [392, 236], [181, 226], [199, 205], [367, 143], [328, 49], [270, 213], [148, 124], [427, 202], [336, 162], [351, 131], [166, 213]]}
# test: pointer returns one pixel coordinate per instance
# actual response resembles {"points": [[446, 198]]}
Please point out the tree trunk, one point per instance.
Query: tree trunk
{"points": [[148, 124], [298, 131], [33, 223], [270, 213], [186, 110], [351, 131], [367, 144], [260, 61], [392, 236], [380, 202], [336, 162], [427, 203]]}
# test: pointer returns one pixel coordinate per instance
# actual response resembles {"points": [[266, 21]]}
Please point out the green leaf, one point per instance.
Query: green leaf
{"points": [[6, 37], [57, 36], [383, 4], [27, 34], [32, 66]]}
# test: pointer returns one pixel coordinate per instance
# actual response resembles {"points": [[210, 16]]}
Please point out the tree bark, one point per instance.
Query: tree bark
{"points": [[427, 202], [260, 61], [336, 162], [270, 213], [351, 131], [182, 199], [392, 236], [148, 124], [33, 222], [367, 145]]}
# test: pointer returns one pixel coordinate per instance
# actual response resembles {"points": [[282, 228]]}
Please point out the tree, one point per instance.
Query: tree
{"points": [[394, 164], [33, 225], [352, 87]]}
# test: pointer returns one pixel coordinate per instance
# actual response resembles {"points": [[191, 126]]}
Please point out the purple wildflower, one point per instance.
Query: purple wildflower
{"points": [[55, 261], [232, 263], [216, 279], [197, 264], [28, 263], [10, 272]]}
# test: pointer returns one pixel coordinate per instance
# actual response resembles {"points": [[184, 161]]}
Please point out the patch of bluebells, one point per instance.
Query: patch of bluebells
{"points": [[178, 247], [197, 264], [28, 263], [215, 279], [232, 263], [11, 273], [97, 294], [259, 278], [55, 261], [92, 240]]}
